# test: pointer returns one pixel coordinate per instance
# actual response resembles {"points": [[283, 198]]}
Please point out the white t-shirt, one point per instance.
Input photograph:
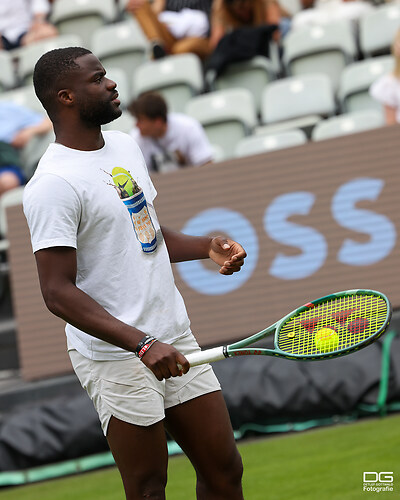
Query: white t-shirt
{"points": [[185, 138], [386, 90], [16, 16], [72, 201]]}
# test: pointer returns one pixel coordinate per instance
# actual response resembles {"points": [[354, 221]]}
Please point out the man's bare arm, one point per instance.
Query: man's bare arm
{"points": [[57, 274], [228, 254]]}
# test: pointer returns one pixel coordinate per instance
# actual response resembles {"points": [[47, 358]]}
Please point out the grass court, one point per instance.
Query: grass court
{"points": [[323, 464]]}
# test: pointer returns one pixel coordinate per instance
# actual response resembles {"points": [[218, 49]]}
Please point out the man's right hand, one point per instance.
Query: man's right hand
{"points": [[163, 360]]}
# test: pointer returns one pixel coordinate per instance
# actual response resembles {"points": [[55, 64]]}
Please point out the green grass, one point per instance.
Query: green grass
{"points": [[323, 464]]}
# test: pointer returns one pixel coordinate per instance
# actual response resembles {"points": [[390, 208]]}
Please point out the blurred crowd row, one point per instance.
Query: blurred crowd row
{"points": [[206, 80]]}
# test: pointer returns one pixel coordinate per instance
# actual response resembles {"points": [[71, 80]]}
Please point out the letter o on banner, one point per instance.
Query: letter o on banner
{"points": [[239, 229]]}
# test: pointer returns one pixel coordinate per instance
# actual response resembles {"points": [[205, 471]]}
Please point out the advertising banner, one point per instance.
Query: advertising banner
{"points": [[314, 219]]}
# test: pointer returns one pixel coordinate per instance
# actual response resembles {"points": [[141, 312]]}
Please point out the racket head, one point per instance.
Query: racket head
{"points": [[352, 318]]}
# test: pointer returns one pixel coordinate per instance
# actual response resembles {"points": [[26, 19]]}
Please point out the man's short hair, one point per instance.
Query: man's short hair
{"points": [[51, 73], [151, 105]]}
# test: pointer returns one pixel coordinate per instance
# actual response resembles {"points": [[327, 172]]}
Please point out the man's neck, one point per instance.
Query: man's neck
{"points": [[82, 140]]}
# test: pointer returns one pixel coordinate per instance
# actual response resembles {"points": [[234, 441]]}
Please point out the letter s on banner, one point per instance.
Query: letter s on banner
{"points": [[381, 229], [309, 240], [240, 229]]}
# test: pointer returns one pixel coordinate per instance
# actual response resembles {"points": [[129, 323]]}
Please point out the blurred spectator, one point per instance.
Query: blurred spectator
{"points": [[18, 125], [241, 30], [319, 12], [174, 26], [168, 141], [229, 15], [23, 22], [386, 89]]}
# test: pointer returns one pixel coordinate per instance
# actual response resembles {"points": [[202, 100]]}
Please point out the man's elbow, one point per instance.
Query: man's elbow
{"points": [[53, 300]]}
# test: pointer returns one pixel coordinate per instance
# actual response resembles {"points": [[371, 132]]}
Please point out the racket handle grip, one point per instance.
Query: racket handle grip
{"points": [[207, 356]]}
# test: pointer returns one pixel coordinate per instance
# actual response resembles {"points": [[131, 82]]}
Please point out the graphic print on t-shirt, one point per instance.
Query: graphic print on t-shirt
{"points": [[133, 198]]}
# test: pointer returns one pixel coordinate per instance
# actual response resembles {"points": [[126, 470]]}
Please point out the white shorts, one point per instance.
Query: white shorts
{"points": [[128, 390]]}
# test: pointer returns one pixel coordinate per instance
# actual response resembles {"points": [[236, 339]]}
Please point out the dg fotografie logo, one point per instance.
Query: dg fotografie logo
{"points": [[378, 481]]}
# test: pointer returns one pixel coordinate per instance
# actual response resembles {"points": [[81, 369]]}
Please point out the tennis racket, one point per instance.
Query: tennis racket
{"points": [[328, 327]]}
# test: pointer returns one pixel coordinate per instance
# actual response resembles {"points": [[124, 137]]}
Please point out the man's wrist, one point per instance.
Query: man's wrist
{"points": [[144, 345]]}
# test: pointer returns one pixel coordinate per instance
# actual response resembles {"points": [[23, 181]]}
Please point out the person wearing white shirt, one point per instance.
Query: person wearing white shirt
{"points": [[18, 125], [386, 89], [168, 141], [23, 22], [104, 266]]}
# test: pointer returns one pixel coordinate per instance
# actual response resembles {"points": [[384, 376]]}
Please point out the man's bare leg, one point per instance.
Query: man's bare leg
{"points": [[141, 456], [203, 429]]}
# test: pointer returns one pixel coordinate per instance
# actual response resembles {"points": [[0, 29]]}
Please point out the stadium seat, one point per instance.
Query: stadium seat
{"points": [[122, 45], [33, 151], [218, 153], [322, 49], [377, 29], [8, 78], [356, 79], [257, 144], [9, 198], [25, 96], [226, 115], [253, 75], [177, 78], [297, 102], [28, 55], [82, 17], [348, 123]]}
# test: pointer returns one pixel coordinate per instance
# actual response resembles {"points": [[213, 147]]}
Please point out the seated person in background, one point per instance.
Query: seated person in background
{"points": [[174, 26], [319, 12], [228, 15], [168, 140], [23, 22], [386, 89], [18, 125]]}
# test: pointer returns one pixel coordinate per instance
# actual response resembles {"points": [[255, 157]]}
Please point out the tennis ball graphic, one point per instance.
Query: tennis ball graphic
{"points": [[326, 340], [124, 182]]}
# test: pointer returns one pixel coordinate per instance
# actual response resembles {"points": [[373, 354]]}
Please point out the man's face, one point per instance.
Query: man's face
{"points": [[94, 94], [150, 127]]}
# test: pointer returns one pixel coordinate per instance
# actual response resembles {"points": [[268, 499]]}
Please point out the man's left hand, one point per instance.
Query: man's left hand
{"points": [[228, 254]]}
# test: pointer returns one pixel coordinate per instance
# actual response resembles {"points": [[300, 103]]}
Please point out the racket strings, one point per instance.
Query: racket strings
{"points": [[350, 319]]}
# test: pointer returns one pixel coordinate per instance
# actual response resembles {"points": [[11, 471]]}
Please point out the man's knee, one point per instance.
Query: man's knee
{"points": [[152, 488], [236, 470], [225, 479], [8, 180]]}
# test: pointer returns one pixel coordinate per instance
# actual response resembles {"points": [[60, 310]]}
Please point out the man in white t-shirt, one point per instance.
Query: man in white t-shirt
{"points": [[104, 267], [168, 140]]}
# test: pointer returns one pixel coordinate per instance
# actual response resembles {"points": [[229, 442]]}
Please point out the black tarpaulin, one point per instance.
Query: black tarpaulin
{"points": [[258, 390]]}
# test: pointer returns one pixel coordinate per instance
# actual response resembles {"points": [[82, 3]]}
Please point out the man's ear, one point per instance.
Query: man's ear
{"points": [[65, 97]]}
